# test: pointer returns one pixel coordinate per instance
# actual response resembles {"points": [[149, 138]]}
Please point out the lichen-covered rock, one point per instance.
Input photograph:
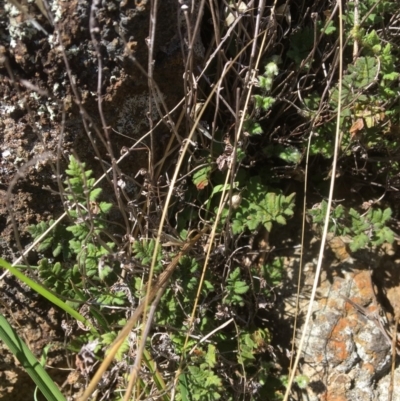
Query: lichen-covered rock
{"points": [[346, 353]]}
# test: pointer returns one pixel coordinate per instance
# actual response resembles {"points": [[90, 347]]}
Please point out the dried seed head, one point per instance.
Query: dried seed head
{"points": [[236, 200]]}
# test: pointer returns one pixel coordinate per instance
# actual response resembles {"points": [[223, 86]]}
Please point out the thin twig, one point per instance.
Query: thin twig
{"points": [[394, 355], [327, 216]]}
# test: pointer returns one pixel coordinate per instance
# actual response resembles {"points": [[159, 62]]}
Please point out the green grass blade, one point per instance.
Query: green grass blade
{"points": [[158, 379], [184, 388], [47, 294], [29, 362]]}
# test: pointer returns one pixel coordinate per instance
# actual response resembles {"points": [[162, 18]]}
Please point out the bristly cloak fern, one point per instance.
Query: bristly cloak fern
{"points": [[261, 207]]}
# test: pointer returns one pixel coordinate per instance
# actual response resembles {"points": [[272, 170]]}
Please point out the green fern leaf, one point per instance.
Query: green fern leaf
{"points": [[95, 193], [360, 241], [281, 220]]}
